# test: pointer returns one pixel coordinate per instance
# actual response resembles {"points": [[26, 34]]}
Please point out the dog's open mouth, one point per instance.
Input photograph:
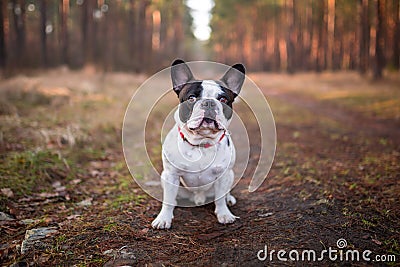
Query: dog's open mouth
{"points": [[207, 123]]}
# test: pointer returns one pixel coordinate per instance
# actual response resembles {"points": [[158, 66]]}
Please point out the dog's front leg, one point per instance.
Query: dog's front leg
{"points": [[222, 188], [170, 185]]}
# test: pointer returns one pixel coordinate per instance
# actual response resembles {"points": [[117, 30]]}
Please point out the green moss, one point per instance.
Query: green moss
{"points": [[124, 199], [29, 171], [23, 171]]}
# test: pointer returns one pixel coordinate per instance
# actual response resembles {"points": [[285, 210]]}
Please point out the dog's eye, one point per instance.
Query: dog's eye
{"points": [[192, 98], [223, 100]]}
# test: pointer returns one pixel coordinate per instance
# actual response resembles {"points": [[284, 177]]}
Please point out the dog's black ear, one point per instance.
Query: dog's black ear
{"points": [[180, 74], [234, 78]]}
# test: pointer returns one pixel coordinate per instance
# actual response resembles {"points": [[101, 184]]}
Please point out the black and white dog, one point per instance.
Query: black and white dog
{"points": [[198, 152]]}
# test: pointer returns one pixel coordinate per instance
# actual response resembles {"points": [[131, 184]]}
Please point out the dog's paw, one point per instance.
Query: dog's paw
{"points": [[226, 217], [230, 200], [162, 222]]}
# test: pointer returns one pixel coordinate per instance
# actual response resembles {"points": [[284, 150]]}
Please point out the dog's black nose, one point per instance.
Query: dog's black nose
{"points": [[208, 120], [208, 103]]}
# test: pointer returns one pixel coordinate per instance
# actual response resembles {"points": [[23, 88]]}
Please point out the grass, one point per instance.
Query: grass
{"points": [[110, 227], [129, 198], [32, 171], [49, 139], [126, 198]]}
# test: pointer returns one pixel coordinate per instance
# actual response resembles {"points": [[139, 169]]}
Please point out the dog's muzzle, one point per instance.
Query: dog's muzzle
{"points": [[209, 106]]}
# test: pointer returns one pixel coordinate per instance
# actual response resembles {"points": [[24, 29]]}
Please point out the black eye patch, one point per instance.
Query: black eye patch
{"points": [[230, 97], [189, 89], [228, 94], [186, 107]]}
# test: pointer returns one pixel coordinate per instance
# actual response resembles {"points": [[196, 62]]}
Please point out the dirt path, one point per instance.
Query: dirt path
{"points": [[351, 121], [335, 175]]}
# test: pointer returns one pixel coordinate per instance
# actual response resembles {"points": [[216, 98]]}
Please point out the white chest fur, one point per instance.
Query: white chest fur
{"points": [[197, 166]]}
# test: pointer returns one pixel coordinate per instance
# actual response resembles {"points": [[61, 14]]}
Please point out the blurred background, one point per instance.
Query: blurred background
{"points": [[68, 68], [145, 36]]}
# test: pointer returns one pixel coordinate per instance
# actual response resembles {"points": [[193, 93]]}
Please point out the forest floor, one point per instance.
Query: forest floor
{"points": [[335, 176]]}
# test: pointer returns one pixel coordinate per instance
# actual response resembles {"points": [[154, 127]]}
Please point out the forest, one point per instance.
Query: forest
{"points": [[308, 35], [145, 35], [328, 70], [111, 35]]}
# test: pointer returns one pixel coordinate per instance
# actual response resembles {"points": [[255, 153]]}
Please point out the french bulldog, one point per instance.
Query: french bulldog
{"points": [[198, 153]]}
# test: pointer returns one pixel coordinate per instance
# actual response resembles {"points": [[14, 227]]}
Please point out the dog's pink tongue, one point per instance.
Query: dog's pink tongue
{"points": [[208, 123]]}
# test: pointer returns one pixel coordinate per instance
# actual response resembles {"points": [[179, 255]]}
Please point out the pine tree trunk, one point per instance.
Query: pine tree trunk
{"points": [[331, 34], [19, 26], [290, 36], [3, 54], [364, 36], [379, 46], [141, 28], [88, 31], [277, 56], [64, 10], [131, 34], [178, 29], [396, 36], [43, 34], [322, 38]]}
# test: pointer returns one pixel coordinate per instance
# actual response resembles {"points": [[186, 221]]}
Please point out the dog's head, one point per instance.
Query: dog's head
{"points": [[205, 105]]}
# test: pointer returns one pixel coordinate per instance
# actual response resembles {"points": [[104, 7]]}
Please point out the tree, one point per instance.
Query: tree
{"points": [[43, 33], [290, 36], [331, 33], [88, 33], [64, 10], [322, 35], [396, 37], [132, 32], [3, 14], [19, 27], [141, 28], [178, 28], [364, 35], [379, 43]]}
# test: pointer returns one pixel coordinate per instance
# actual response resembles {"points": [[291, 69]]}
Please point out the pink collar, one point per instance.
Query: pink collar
{"points": [[206, 145]]}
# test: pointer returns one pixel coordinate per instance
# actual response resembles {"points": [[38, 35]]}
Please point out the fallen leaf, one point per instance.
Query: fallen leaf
{"points": [[377, 242], [74, 216], [7, 192], [109, 252], [266, 214], [48, 195], [85, 203], [75, 181], [144, 230], [56, 184], [29, 221], [61, 189]]}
